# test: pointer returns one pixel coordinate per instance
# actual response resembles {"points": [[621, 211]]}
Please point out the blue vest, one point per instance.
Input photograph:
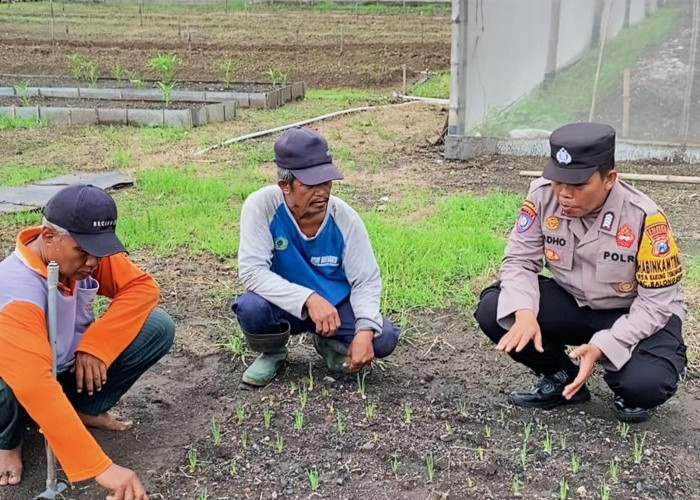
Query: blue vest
{"points": [[315, 263]]}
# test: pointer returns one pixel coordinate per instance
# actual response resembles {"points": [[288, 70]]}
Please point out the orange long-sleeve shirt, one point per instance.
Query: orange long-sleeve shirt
{"points": [[25, 353]]}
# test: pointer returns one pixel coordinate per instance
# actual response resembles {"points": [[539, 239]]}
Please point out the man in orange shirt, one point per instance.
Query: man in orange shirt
{"points": [[98, 360]]}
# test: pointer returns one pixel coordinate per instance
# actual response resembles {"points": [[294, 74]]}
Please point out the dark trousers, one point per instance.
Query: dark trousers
{"points": [[648, 379], [258, 316], [151, 344]]}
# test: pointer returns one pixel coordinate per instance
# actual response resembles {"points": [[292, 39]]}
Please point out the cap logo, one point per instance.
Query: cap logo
{"points": [[563, 156], [103, 223]]}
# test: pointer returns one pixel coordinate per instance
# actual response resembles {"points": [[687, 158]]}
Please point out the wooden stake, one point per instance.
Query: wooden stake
{"points": [[421, 28], [141, 12], [189, 40], [53, 36], [403, 87], [342, 37], [626, 77], [179, 29], [671, 179]]}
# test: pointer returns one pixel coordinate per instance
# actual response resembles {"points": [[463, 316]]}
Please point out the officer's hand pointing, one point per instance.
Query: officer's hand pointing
{"points": [[587, 355], [525, 329]]}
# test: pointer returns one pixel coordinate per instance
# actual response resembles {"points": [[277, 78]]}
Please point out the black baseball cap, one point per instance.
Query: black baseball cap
{"points": [[305, 153], [90, 216], [577, 150]]}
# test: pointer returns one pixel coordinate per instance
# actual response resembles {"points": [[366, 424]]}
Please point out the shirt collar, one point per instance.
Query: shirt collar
{"points": [[33, 260]]}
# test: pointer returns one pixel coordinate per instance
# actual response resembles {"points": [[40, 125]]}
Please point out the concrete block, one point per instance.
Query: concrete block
{"points": [[188, 95], [7, 91], [298, 90], [199, 116], [285, 94], [111, 116], [177, 118], [141, 95], [108, 94], [148, 117], [258, 100], [230, 109], [242, 98], [7, 111], [219, 96], [215, 113], [55, 115], [64, 92], [27, 112], [274, 99], [83, 116]]}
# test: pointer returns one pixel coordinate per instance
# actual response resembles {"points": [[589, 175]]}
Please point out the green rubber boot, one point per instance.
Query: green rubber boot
{"points": [[264, 368], [333, 352]]}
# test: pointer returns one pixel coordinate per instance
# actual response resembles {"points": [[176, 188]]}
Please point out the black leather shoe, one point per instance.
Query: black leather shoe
{"points": [[630, 414], [546, 394]]}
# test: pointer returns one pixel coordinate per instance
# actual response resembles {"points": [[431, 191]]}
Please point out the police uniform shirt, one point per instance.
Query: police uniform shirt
{"points": [[627, 258]]}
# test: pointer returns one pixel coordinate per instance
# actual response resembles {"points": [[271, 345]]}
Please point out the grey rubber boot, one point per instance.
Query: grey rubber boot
{"points": [[333, 352], [274, 353]]}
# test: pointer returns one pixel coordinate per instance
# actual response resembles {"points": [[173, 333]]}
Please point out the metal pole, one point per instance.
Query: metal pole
{"points": [[53, 487]]}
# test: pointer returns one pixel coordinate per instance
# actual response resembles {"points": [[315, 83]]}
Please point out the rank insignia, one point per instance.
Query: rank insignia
{"points": [[552, 223], [608, 219], [625, 236]]}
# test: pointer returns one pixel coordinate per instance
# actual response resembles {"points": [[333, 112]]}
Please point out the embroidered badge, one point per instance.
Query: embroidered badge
{"points": [[563, 156], [281, 243], [658, 233], [551, 254], [608, 219], [527, 216], [624, 236], [625, 287], [552, 223], [658, 260]]}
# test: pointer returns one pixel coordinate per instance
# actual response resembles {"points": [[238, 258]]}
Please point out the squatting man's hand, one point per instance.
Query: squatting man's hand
{"points": [[587, 355], [90, 373], [323, 314], [361, 351], [525, 329], [122, 484]]}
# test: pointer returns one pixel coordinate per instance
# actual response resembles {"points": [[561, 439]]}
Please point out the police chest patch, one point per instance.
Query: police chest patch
{"points": [[625, 287], [624, 237], [551, 254], [527, 216], [552, 223], [658, 261]]}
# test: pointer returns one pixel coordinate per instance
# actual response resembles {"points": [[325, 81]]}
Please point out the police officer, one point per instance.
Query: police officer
{"points": [[614, 288]]}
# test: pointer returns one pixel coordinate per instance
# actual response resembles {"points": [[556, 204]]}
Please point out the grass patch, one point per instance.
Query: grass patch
{"points": [[154, 137], [437, 86], [692, 271], [190, 207], [429, 261], [19, 176], [570, 93], [349, 97], [8, 123]]}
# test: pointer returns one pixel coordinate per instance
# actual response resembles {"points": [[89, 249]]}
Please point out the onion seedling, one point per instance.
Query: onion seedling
{"points": [[523, 454], [361, 385], [339, 422], [574, 464], [487, 430], [639, 448], [395, 464], [562, 442], [563, 489], [279, 442], [240, 414], [215, 431], [430, 465], [298, 420], [516, 486], [303, 397], [233, 468], [408, 411], [369, 411], [314, 479], [192, 459], [244, 438], [614, 468], [480, 453], [624, 428], [604, 490], [547, 444], [267, 418]]}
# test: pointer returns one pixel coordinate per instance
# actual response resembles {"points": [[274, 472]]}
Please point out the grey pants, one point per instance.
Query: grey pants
{"points": [[151, 344]]}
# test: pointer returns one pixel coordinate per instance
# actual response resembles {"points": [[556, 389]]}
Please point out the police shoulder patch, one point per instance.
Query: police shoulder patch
{"points": [[527, 216], [658, 260]]}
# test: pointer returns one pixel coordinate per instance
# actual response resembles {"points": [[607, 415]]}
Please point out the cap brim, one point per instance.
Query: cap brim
{"points": [[569, 175], [318, 174], [99, 245]]}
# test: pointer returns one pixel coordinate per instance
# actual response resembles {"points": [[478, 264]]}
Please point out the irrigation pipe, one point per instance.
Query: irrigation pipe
{"points": [[297, 124], [674, 179], [430, 100]]}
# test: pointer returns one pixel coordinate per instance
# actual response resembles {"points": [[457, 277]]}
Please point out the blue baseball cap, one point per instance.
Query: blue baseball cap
{"points": [[89, 215], [305, 153]]}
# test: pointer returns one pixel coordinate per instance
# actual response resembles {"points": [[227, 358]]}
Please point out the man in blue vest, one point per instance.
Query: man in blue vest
{"points": [[307, 264]]}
